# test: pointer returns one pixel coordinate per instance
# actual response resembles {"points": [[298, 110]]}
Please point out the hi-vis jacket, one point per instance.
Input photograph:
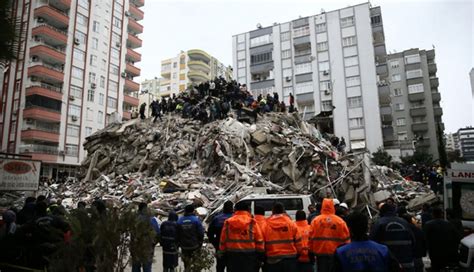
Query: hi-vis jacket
{"points": [[241, 234], [261, 221], [282, 237], [305, 230], [328, 231]]}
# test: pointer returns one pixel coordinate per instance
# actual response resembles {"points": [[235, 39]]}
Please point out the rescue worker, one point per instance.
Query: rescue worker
{"points": [[305, 264], [169, 242], [362, 254], [214, 232], [190, 235], [259, 216], [328, 231], [282, 241], [241, 243]]}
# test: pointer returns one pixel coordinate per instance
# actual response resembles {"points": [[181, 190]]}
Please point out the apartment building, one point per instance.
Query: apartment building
{"points": [[331, 62], [415, 101], [74, 74], [149, 90], [466, 143], [190, 68], [452, 142]]}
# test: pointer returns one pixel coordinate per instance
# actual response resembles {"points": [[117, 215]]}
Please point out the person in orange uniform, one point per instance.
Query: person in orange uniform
{"points": [[259, 215], [305, 264], [328, 231], [242, 241], [282, 241]]}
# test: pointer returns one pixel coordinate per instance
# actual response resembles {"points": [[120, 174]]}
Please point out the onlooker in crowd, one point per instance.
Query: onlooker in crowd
{"points": [[420, 243], [169, 242], [305, 264], [313, 212], [259, 216], [190, 235], [214, 232]]}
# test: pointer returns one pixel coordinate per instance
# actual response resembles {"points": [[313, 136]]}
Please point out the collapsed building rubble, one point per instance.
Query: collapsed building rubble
{"points": [[179, 161]]}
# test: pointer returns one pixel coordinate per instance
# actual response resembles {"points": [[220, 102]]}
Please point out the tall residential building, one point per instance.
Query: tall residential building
{"points": [[415, 101], [331, 62], [471, 77], [466, 143], [452, 141], [191, 67], [74, 73]]}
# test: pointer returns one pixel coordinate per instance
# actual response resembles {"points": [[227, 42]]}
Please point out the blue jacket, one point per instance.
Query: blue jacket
{"points": [[363, 256], [190, 232], [215, 228]]}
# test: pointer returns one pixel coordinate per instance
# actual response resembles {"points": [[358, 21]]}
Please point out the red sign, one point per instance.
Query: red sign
{"points": [[17, 167]]}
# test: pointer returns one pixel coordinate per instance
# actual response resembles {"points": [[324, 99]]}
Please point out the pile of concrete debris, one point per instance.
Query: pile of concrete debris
{"points": [[179, 161]]}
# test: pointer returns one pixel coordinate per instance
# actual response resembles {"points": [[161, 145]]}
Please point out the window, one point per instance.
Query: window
{"points": [[400, 121], [175, 75], [412, 59], [286, 54], [323, 66], [71, 150], [113, 88], [114, 69], [396, 77], [111, 102], [320, 27], [351, 61], [397, 92], [241, 55], [348, 21], [104, 64], [300, 31], [241, 38], [415, 88], [101, 99], [241, 46], [75, 91], [287, 91], [115, 53], [303, 68], [354, 102], [72, 130], [287, 73], [117, 22], [352, 40], [88, 131], [414, 73], [350, 51], [81, 37], [241, 64], [394, 64], [79, 54], [306, 87], [356, 122], [84, 3], [102, 81], [322, 46], [376, 19], [89, 114], [285, 36], [399, 106], [91, 77], [264, 39], [90, 95], [100, 117], [77, 72], [302, 52], [175, 64], [242, 79], [81, 19], [74, 110], [96, 27], [241, 71], [93, 60], [260, 58], [325, 85], [327, 105], [402, 136], [352, 81], [419, 119]]}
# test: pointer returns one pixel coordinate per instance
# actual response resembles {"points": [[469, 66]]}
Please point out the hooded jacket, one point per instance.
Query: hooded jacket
{"points": [[261, 221], [282, 237], [241, 234], [328, 231], [305, 229], [169, 234]]}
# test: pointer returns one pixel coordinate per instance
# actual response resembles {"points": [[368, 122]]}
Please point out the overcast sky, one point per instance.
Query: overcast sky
{"points": [[174, 25]]}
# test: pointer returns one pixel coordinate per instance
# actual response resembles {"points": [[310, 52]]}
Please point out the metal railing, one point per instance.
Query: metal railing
{"points": [[53, 8], [51, 27], [32, 106], [38, 148], [39, 41], [47, 86], [43, 127], [49, 66]]}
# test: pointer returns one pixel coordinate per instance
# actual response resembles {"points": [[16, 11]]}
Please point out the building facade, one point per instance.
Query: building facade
{"points": [[452, 142], [466, 143], [415, 101], [73, 75], [149, 90], [190, 68], [327, 61], [471, 77]]}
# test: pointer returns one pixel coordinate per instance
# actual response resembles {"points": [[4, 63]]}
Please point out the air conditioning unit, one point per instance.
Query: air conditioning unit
{"points": [[30, 121], [326, 72], [327, 92], [93, 85], [288, 79], [72, 98], [127, 13], [36, 38], [124, 75], [77, 41], [34, 58], [74, 118], [40, 20], [118, 44], [33, 78], [62, 153]]}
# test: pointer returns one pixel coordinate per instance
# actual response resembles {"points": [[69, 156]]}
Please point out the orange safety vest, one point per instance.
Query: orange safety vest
{"points": [[304, 229], [282, 238], [261, 221], [328, 231], [241, 234]]}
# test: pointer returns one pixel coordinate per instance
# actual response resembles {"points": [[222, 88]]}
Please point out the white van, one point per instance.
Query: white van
{"points": [[292, 203]]}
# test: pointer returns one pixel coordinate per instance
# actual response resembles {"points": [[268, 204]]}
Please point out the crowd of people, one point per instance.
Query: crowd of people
{"points": [[329, 238], [214, 100], [429, 175]]}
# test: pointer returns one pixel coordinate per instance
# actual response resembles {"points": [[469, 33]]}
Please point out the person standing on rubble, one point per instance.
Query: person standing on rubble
{"points": [[241, 241], [305, 264], [215, 229], [142, 111], [282, 241], [168, 241], [328, 231], [190, 235]]}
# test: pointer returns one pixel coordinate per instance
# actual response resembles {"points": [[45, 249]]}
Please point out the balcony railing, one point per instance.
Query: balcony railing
{"points": [[52, 27], [46, 86], [53, 8], [47, 127], [49, 66], [39, 41], [39, 148]]}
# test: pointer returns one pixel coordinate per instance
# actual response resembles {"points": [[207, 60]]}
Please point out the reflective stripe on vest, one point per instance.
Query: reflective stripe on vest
{"points": [[250, 240], [341, 240]]}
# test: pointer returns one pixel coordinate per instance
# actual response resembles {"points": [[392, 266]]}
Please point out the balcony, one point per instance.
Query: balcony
{"points": [[199, 65], [384, 95], [135, 27], [46, 72], [436, 97], [133, 55], [133, 41], [53, 16], [432, 68], [40, 135], [50, 34], [416, 97], [132, 70], [197, 54], [45, 153], [198, 76], [61, 4], [420, 111], [138, 3], [135, 12], [434, 82], [419, 127], [48, 53], [41, 113], [46, 90], [127, 115], [437, 111], [131, 85], [133, 101], [386, 118]]}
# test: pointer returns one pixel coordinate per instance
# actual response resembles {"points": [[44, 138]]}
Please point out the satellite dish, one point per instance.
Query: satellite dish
{"points": [[259, 25]]}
